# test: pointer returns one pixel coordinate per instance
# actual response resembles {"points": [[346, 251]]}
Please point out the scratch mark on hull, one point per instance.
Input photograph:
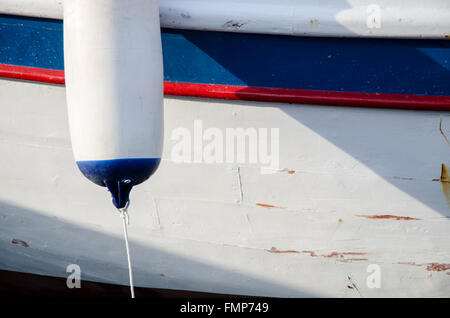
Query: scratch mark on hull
{"points": [[20, 242], [388, 217], [241, 192], [442, 133], [353, 285]]}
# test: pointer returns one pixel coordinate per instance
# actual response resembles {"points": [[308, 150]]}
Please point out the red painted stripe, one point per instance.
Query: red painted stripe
{"points": [[32, 74], [302, 96], [263, 94]]}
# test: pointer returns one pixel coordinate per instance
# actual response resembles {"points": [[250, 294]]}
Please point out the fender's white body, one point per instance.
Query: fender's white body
{"points": [[114, 78]]}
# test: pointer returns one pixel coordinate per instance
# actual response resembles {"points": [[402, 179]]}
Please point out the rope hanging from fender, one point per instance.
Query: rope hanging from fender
{"points": [[125, 219]]}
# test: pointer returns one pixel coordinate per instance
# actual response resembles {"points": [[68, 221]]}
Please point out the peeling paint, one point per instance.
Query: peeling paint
{"points": [[387, 217], [354, 253], [436, 267], [340, 256], [311, 253], [277, 251], [234, 24], [409, 263], [431, 267], [349, 260], [20, 242]]}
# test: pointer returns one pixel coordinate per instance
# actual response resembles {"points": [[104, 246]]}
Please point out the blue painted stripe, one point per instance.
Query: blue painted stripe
{"points": [[385, 66], [119, 175], [31, 42]]}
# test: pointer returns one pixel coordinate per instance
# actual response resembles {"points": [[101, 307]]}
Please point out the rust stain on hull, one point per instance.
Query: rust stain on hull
{"points": [[388, 217], [20, 242], [269, 206], [289, 171], [444, 174], [266, 205], [446, 190], [445, 182]]}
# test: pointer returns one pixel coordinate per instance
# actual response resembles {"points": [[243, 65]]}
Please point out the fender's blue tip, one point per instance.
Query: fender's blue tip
{"points": [[119, 175]]}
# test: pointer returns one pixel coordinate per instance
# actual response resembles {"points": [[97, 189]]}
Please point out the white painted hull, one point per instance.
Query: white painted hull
{"points": [[351, 18], [199, 226]]}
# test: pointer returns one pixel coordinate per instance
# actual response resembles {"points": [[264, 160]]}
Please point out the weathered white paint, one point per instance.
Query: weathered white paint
{"points": [[114, 78], [397, 18], [190, 223], [35, 8]]}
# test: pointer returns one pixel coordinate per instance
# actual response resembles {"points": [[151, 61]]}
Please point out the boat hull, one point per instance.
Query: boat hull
{"points": [[360, 72], [355, 188]]}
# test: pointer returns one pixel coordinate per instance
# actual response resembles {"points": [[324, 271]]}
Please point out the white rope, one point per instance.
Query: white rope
{"points": [[124, 215]]}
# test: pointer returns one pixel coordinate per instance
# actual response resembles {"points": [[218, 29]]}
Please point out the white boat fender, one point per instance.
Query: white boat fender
{"points": [[114, 87]]}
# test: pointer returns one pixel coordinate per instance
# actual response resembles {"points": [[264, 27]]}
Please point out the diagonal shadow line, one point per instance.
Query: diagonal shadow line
{"points": [[54, 244]]}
